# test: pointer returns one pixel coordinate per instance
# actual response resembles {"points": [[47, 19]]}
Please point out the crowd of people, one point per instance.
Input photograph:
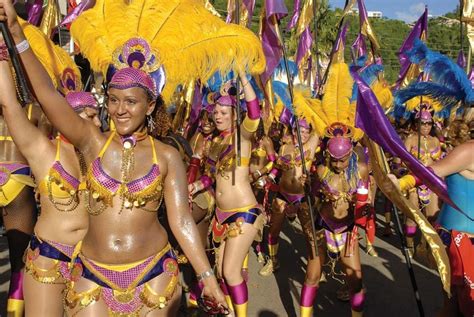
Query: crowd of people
{"points": [[104, 202]]}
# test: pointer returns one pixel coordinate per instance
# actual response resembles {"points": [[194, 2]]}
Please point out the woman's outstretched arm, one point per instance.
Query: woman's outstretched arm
{"points": [[27, 137]]}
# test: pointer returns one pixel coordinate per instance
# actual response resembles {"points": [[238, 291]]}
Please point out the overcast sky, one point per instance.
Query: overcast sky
{"points": [[406, 10]]}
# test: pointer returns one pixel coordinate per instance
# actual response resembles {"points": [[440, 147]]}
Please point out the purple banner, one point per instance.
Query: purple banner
{"points": [[461, 61], [304, 45], [275, 10], [295, 16], [359, 48], [371, 119], [341, 40], [420, 29], [35, 11], [84, 5], [250, 5]]}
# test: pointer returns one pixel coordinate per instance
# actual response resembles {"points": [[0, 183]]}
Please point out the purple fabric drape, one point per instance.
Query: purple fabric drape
{"points": [[461, 61], [295, 16], [420, 30], [35, 11], [371, 119], [359, 47], [275, 10], [84, 5], [304, 45]]}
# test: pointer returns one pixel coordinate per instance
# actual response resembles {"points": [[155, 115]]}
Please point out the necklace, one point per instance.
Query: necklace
{"points": [[128, 161]]}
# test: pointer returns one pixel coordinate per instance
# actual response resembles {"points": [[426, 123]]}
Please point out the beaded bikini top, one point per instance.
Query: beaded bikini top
{"points": [[135, 193], [290, 161], [330, 194], [425, 154], [59, 182], [222, 156]]}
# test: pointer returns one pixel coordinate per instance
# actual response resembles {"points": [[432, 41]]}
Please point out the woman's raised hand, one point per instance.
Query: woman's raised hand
{"points": [[8, 14]]}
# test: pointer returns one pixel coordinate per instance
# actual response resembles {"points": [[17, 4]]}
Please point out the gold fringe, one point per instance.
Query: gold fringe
{"points": [[53, 58], [183, 32]]}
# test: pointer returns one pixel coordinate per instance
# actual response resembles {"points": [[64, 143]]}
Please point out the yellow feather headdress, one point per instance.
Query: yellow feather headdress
{"points": [[336, 106], [190, 41], [57, 62]]}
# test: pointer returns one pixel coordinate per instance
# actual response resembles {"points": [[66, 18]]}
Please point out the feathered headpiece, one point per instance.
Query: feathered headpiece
{"points": [[448, 86], [189, 40], [54, 59], [336, 106], [62, 70]]}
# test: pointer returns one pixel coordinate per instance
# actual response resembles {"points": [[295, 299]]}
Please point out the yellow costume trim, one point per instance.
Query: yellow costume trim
{"points": [[15, 307], [273, 249], [239, 209], [306, 311], [183, 32], [407, 182], [13, 187], [6, 138], [250, 125]]}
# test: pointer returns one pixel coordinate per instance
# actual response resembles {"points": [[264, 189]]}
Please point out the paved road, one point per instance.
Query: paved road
{"points": [[386, 279]]}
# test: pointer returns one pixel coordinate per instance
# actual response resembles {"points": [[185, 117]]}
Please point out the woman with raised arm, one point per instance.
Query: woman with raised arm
{"points": [[124, 264], [63, 220], [238, 217]]}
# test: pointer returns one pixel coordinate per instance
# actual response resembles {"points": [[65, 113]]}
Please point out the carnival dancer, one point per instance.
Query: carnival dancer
{"points": [[261, 165], [17, 200], [291, 199], [124, 264], [427, 149], [342, 187], [63, 220], [238, 217], [203, 202]]}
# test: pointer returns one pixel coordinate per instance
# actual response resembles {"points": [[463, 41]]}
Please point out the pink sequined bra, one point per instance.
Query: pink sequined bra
{"points": [[136, 193]]}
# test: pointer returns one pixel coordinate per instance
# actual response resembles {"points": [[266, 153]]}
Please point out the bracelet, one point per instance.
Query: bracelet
{"points": [[259, 173], [204, 275], [22, 46]]}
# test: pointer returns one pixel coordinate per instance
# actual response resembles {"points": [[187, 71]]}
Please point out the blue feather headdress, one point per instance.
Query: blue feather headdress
{"points": [[368, 73], [449, 84]]}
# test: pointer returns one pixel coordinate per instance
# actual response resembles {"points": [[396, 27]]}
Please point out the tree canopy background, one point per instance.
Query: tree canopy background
{"points": [[443, 33]]}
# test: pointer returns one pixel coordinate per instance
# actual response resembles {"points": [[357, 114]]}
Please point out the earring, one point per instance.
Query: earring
{"points": [[150, 123]]}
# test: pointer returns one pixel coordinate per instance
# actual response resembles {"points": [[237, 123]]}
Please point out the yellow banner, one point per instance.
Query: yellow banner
{"points": [[379, 166]]}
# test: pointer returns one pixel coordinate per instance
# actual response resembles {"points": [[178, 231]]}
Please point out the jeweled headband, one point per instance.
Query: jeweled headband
{"points": [[136, 65], [340, 143]]}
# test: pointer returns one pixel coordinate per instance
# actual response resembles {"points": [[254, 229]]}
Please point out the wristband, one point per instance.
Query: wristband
{"points": [[253, 109], [206, 181], [22, 46], [204, 275]]}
